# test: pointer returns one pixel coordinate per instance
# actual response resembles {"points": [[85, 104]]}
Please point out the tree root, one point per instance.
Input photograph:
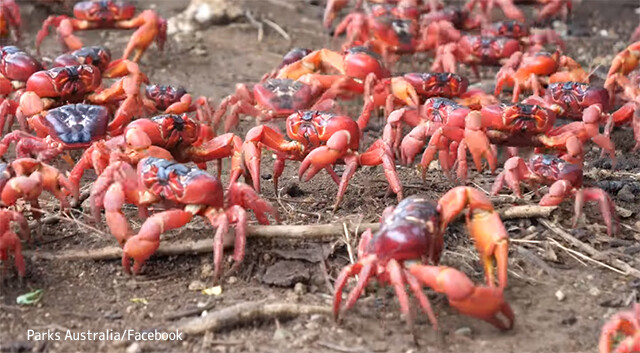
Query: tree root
{"points": [[317, 232], [245, 313]]}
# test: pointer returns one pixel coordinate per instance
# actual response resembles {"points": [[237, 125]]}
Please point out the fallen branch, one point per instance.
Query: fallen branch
{"points": [[610, 260], [316, 232], [245, 313]]}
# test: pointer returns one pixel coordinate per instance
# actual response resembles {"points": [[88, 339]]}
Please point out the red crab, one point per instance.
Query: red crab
{"points": [[27, 178], [474, 50], [324, 67], [320, 140], [625, 324], [191, 191], [10, 20], [402, 8], [459, 17], [97, 56], [629, 111], [175, 100], [11, 242], [273, 99], [534, 39], [168, 136], [16, 66], [523, 71], [108, 14], [391, 36], [527, 124], [565, 180], [441, 117], [407, 248], [72, 126]]}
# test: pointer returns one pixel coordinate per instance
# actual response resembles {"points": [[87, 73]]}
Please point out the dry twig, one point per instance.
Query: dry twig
{"points": [[317, 232], [247, 312], [608, 261]]}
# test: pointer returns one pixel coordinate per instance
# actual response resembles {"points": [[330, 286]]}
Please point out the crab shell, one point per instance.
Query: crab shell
{"points": [[445, 111], [313, 128], [409, 232], [97, 56], [176, 182], [104, 11], [77, 125], [486, 50], [552, 169], [574, 97], [525, 119], [283, 96], [16, 64], [164, 95], [438, 84], [360, 61], [510, 28], [68, 82]]}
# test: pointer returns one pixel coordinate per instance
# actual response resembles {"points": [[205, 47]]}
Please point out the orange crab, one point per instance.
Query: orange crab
{"points": [[107, 14]]}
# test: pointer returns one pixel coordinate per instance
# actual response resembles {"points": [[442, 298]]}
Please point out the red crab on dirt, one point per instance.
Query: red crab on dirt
{"points": [[391, 36], [16, 66], [319, 140], [523, 71], [437, 116], [474, 50], [10, 20], [407, 249], [27, 178], [72, 126], [528, 124], [168, 136], [565, 180], [625, 324], [190, 191], [108, 14], [401, 8], [273, 99], [533, 39], [10, 242], [168, 99], [97, 56]]}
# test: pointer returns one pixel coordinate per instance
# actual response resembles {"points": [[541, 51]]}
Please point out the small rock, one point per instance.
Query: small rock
{"points": [[560, 295], [206, 271], [203, 13], [286, 273], [134, 348], [463, 332], [300, 288], [603, 33], [594, 291], [232, 279], [626, 194], [197, 285]]}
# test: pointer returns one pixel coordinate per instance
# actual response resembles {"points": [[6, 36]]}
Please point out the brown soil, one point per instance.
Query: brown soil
{"points": [[97, 296]]}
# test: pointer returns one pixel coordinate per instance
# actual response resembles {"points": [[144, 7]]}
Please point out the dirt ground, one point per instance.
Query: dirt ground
{"points": [[98, 296]]}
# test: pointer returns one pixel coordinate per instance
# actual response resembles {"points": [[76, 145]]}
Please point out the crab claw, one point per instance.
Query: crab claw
{"points": [[484, 224], [244, 196], [485, 303], [477, 142], [147, 241], [515, 170], [319, 158]]}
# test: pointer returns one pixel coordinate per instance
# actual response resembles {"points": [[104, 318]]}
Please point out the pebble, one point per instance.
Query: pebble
{"points": [[594, 291], [560, 295], [134, 348], [197, 285], [299, 288], [626, 194], [463, 331], [232, 279], [206, 271]]}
